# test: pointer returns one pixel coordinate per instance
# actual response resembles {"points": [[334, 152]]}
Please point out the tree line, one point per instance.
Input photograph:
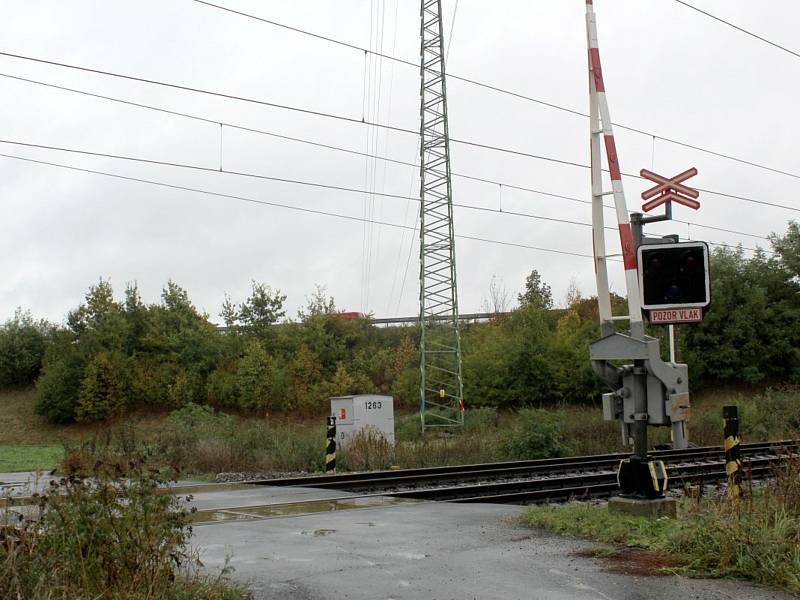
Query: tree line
{"points": [[116, 355]]}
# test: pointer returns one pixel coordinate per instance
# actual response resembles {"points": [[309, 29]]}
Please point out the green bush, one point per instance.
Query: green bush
{"points": [[58, 386], [255, 378], [185, 428], [480, 419], [22, 346], [104, 388], [535, 434], [222, 389], [407, 427], [751, 333], [104, 536], [774, 413]]}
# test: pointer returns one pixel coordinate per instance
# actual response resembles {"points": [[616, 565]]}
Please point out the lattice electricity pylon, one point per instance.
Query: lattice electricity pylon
{"points": [[441, 388]]}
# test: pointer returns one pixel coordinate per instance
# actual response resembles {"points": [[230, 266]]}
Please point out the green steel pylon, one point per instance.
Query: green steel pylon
{"points": [[441, 387]]}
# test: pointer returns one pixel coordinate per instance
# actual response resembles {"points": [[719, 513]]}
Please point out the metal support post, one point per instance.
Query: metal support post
{"points": [[640, 410], [733, 460], [330, 450]]}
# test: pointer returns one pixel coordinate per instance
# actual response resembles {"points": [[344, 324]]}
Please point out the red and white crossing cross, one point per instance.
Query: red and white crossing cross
{"points": [[668, 189]]}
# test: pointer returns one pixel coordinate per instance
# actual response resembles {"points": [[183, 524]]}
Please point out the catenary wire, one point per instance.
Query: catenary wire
{"points": [[386, 159], [275, 179], [512, 93], [388, 127], [295, 182], [311, 183], [280, 205], [449, 37], [742, 29]]}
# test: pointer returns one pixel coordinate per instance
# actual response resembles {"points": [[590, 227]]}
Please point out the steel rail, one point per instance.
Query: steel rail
{"points": [[410, 477], [583, 486]]}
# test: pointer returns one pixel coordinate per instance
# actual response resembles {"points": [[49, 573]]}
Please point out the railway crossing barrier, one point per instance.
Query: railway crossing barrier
{"points": [[665, 280]]}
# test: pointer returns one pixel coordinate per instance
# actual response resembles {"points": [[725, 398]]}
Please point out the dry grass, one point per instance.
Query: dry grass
{"points": [[211, 443], [20, 425]]}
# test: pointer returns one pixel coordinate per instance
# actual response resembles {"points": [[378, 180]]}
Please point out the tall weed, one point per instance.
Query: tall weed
{"points": [[756, 537], [107, 533], [536, 434]]}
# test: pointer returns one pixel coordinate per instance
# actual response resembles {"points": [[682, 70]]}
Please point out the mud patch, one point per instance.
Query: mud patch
{"points": [[632, 561], [323, 532]]}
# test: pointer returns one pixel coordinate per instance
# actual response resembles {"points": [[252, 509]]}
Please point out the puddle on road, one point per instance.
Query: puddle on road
{"points": [[265, 511], [197, 488]]}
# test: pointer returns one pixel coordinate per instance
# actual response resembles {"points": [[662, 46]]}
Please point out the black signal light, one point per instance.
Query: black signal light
{"points": [[674, 275]]}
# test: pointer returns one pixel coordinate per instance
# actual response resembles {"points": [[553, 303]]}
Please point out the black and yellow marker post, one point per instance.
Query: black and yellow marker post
{"points": [[330, 451], [733, 460]]}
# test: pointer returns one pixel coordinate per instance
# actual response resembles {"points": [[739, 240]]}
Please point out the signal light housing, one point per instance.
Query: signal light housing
{"points": [[674, 275]]}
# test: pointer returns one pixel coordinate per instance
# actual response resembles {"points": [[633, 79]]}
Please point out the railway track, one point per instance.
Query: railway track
{"points": [[544, 480], [520, 482], [580, 486]]}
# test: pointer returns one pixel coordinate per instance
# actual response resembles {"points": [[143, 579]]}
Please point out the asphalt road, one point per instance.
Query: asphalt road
{"points": [[419, 551]]}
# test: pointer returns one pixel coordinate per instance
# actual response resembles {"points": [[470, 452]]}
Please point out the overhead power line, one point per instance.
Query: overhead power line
{"points": [[352, 151], [386, 126], [512, 93], [216, 170], [280, 205], [742, 29], [358, 121]]}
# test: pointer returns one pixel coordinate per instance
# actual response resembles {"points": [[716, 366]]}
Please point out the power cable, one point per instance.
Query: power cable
{"points": [[386, 159], [272, 178], [742, 29], [514, 94], [290, 181], [402, 239], [449, 37], [388, 127], [366, 112], [280, 205], [380, 17], [318, 184]]}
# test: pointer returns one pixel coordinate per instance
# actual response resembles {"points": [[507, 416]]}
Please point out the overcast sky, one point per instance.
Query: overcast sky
{"points": [[668, 70]]}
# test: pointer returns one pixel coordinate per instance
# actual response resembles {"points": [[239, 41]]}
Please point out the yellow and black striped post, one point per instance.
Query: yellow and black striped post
{"points": [[330, 451], [733, 460]]}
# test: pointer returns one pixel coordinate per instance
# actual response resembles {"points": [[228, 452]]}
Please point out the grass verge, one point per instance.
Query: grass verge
{"points": [[199, 441], [30, 458], [756, 538]]}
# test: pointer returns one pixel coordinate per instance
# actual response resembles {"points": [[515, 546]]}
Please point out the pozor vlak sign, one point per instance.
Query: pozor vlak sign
{"points": [[674, 281]]}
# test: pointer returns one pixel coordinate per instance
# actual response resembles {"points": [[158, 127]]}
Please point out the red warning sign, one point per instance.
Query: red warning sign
{"points": [[669, 189], [666, 316]]}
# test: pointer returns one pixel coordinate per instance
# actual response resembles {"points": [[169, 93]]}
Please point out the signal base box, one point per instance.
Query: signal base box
{"points": [[365, 411]]}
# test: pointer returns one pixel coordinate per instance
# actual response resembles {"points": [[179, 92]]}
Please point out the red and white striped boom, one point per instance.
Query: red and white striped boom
{"points": [[600, 125]]}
